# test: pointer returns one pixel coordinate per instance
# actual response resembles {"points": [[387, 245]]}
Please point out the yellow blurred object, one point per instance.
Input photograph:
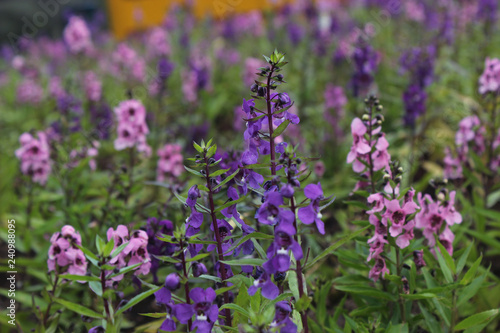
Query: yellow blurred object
{"points": [[128, 16]]}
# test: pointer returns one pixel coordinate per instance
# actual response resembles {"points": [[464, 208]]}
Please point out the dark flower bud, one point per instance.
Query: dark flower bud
{"points": [[279, 277], [262, 91], [87, 319], [178, 266], [198, 269], [398, 179], [299, 160], [211, 160], [418, 258], [280, 77], [172, 282], [406, 266], [380, 108], [406, 285], [254, 87]]}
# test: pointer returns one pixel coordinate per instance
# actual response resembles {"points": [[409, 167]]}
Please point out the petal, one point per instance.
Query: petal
{"points": [[269, 290], [307, 214]]}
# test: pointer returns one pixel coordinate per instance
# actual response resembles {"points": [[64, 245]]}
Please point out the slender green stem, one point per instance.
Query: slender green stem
{"points": [[400, 291], [218, 238], [186, 285], [51, 294]]}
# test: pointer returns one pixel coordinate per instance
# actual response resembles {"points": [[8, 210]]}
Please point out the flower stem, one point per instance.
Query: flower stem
{"points": [[401, 301], [186, 285], [52, 293], [300, 282], [370, 161], [222, 266], [270, 121]]}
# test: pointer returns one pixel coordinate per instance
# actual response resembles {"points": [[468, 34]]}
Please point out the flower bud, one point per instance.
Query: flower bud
{"points": [[365, 117], [198, 269], [172, 281], [254, 87]]}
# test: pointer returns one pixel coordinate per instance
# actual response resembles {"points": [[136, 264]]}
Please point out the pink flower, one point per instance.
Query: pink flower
{"points": [[158, 42], [132, 128], [378, 269], [489, 81], [56, 89], [34, 155], [92, 86], [29, 92], [135, 252], [433, 215], [170, 162], [64, 256], [397, 215], [77, 35]]}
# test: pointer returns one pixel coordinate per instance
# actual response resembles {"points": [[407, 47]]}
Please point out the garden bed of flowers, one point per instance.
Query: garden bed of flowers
{"points": [[322, 167]]}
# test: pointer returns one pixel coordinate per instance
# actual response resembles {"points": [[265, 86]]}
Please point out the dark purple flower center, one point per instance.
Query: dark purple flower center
{"points": [[436, 220], [398, 216], [202, 307], [131, 111], [283, 239]]}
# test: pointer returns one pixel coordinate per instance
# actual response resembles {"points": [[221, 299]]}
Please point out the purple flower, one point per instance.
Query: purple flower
{"points": [[157, 247], [268, 289], [278, 252], [206, 312], [418, 258], [270, 212], [193, 195], [365, 62], [414, 99], [282, 318], [312, 213], [169, 324]]}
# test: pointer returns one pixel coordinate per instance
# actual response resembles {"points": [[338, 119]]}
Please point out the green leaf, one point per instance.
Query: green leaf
{"points": [[194, 172], [108, 248], [197, 147], [154, 315], [213, 149], [471, 290], [334, 246], [230, 203], [124, 270], [366, 291], [254, 235], [444, 266], [463, 258], [419, 296], [99, 243], [96, 287], [432, 324], [303, 303], [211, 278], [198, 257], [448, 259], [471, 272], [80, 309], [219, 172], [118, 250], [477, 319], [228, 178], [236, 308], [281, 128], [244, 262], [74, 277], [137, 299]]}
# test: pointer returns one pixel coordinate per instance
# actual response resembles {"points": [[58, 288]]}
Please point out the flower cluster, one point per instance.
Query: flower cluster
{"points": [[436, 217], [366, 61], [489, 81], [419, 62], [132, 128], [34, 155], [127, 64], [169, 163], [203, 308], [335, 101], [92, 86], [369, 147], [135, 252], [77, 35], [64, 256], [470, 136], [29, 92]]}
